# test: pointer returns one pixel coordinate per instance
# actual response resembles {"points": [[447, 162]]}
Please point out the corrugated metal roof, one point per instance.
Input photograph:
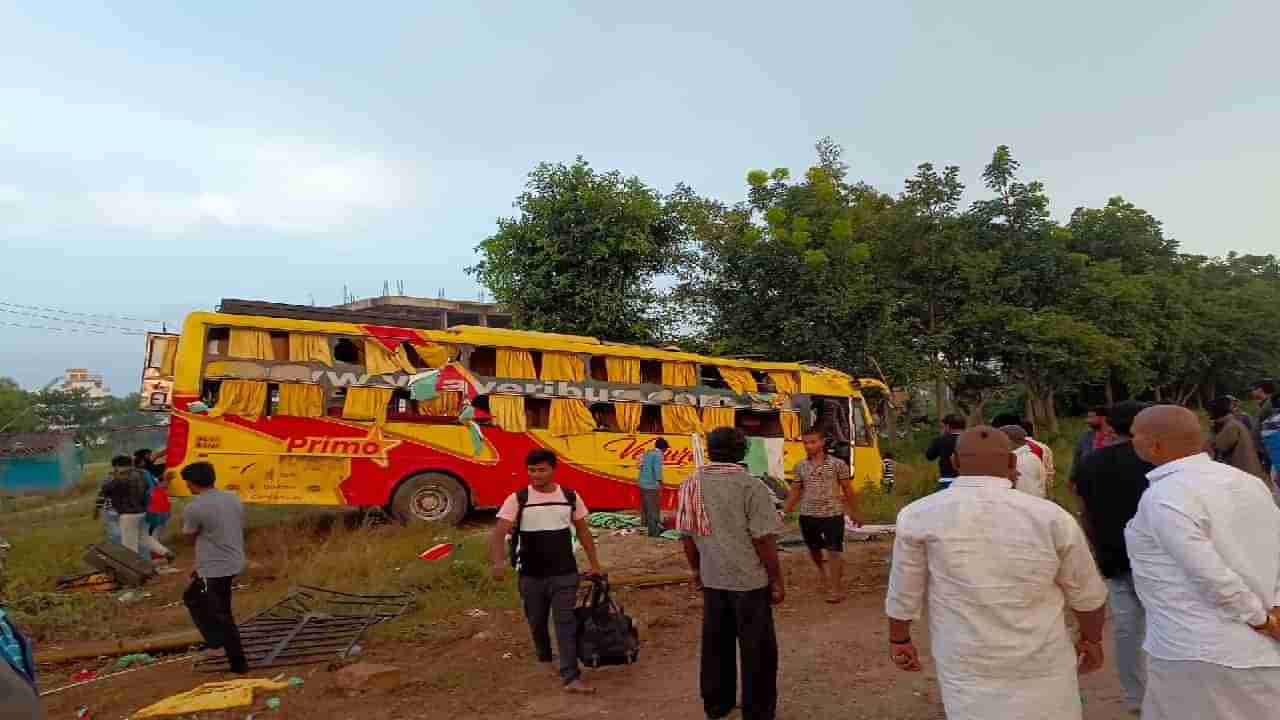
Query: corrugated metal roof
{"points": [[20, 444]]}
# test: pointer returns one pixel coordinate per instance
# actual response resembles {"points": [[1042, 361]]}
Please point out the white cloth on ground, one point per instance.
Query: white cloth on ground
{"points": [[133, 534], [1190, 690], [1205, 551], [999, 568], [1032, 477]]}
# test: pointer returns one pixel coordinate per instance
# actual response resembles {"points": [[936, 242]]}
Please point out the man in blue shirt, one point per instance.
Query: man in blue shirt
{"points": [[651, 487]]}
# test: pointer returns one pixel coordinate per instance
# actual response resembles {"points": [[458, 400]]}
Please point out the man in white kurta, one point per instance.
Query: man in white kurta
{"points": [[999, 568], [1032, 475], [1205, 552]]}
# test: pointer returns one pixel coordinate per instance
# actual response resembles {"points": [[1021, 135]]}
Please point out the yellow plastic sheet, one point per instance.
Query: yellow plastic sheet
{"points": [[300, 400], [209, 697], [678, 374], [515, 364], [717, 417], [244, 398], [378, 360], [682, 419], [786, 382], [446, 404], [508, 412], [790, 425], [367, 403], [739, 380], [310, 348], [250, 344]]}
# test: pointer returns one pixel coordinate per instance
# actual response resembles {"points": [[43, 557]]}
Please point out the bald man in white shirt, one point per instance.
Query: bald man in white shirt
{"points": [[1205, 551], [998, 569]]}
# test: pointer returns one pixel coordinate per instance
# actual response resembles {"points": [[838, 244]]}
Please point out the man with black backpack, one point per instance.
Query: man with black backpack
{"points": [[540, 519]]}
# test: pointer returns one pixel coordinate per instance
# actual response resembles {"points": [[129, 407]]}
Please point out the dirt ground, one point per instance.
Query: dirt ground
{"points": [[833, 662]]}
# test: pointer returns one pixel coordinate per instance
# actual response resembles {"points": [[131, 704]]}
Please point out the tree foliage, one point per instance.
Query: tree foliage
{"points": [[974, 302], [583, 254]]}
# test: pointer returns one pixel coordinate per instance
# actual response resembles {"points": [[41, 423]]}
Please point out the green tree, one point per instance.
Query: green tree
{"points": [[584, 253], [17, 411], [72, 411]]}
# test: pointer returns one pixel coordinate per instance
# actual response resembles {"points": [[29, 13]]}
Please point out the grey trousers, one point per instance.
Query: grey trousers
{"points": [[18, 701], [651, 510], [553, 599]]}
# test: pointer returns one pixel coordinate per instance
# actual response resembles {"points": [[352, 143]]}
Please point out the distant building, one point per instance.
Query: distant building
{"points": [[82, 379], [439, 313]]}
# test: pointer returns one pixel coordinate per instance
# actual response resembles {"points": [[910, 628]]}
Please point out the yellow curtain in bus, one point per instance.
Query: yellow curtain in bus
{"points": [[563, 366], [790, 424], [681, 419], [739, 380], [250, 344], [310, 348], [570, 417], [445, 404], [242, 398], [515, 364], [628, 415], [716, 417], [678, 374], [508, 412], [301, 400], [367, 403], [169, 357], [623, 370], [378, 360], [434, 354], [785, 381]]}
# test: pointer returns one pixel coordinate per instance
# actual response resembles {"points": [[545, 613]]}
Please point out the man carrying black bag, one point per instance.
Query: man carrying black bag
{"points": [[539, 518]]}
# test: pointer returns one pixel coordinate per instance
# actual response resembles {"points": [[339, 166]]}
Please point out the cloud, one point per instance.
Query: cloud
{"points": [[285, 186]]}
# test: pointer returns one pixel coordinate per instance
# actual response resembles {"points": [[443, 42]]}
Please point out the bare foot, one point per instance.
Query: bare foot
{"points": [[578, 687]]}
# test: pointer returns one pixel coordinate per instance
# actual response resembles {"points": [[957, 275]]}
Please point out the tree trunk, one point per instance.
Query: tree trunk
{"points": [[1041, 411], [940, 397], [1111, 393], [1159, 394], [890, 419]]}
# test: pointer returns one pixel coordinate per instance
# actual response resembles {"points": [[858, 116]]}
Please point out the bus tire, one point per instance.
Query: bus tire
{"points": [[430, 497]]}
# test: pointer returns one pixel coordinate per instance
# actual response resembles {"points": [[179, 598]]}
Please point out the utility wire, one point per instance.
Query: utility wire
{"points": [[136, 333], [126, 318], [70, 321]]}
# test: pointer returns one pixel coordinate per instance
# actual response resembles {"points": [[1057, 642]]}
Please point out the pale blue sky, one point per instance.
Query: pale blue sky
{"points": [[155, 160]]}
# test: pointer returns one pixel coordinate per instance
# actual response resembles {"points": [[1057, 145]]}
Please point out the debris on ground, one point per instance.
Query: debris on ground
{"points": [[295, 681], [129, 597], [83, 713], [87, 582], [671, 535], [613, 520], [437, 552], [368, 676], [310, 625], [210, 696], [868, 532], [83, 675], [477, 613], [273, 703], [134, 659]]}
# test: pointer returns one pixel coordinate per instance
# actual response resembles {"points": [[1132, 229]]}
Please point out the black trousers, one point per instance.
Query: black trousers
{"points": [[209, 602], [553, 599], [651, 511], [733, 623]]}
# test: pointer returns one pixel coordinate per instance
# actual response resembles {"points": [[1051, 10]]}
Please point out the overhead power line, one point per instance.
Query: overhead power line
{"points": [[72, 321], [56, 329], [104, 316]]}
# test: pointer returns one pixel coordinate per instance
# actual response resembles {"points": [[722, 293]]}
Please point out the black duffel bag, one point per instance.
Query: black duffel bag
{"points": [[606, 634]]}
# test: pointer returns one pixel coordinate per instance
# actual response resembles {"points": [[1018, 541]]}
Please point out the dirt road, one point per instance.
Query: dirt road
{"points": [[833, 664]]}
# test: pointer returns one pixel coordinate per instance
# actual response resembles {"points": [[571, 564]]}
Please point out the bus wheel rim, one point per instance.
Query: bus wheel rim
{"points": [[429, 503]]}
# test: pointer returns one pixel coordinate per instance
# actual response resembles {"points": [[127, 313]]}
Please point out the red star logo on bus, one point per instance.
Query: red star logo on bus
{"points": [[374, 447]]}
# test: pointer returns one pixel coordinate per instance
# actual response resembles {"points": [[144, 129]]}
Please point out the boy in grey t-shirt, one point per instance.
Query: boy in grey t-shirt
{"points": [[216, 519]]}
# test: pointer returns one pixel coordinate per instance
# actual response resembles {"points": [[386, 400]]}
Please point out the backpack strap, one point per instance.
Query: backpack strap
{"points": [[522, 499]]}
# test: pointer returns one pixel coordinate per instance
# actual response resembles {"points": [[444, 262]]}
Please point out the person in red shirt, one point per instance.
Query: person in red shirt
{"points": [[158, 505]]}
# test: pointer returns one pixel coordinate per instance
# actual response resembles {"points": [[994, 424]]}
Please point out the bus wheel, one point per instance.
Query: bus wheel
{"points": [[430, 497]]}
